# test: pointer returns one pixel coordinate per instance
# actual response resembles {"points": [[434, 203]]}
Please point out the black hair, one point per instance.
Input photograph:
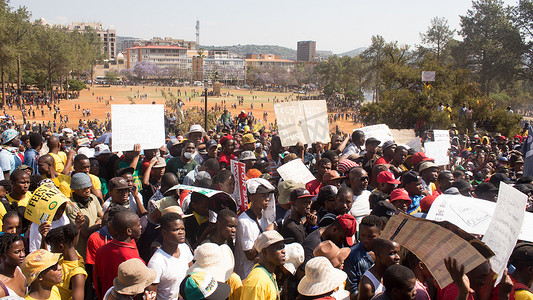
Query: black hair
{"points": [[330, 154], [222, 176], [377, 196], [204, 183], [79, 158], [62, 235], [458, 173], [225, 213], [7, 240], [113, 210], [381, 244], [396, 277], [525, 188], [356, 134], [211, 164], [6, 184], [36, 140], [344, 191], [197, 197], [168, 218], [35, 181], [187, 142], [10, 214], [323, 161], [123, 220], [400, 148], [372, 221], [522, 256], [525, 179], [16, 174]]}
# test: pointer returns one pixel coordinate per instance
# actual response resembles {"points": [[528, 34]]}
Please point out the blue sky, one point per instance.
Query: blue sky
{"points": [[336, 25]]}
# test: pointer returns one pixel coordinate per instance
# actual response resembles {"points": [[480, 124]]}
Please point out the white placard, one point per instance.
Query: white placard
{"points": [[438, 151], [505, 226], [428, 75], [381, 132], [137, 124], [295, 170], [415, 144], [441, 135], [302, 121], [472, 215]]}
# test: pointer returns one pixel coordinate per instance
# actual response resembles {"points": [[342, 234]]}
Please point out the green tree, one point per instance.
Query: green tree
{"points": [[437, 35], [111, 76], [493, 44], [374, 56]]}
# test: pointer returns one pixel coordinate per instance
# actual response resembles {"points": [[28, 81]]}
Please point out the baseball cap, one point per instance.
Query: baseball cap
{"points": [[409, 177], [160, 163], [420, 157], [349, 225], [118, 183], [36, 262], [485, 187], [285, 188], [259, 186], [387, 177], [211, 143], [9, 135], [384, 209], [101, 149], [125, 170], [388, 144], [201, 285], [426, 202], [326, 192], [400, 194], [345, 166], [25, 167], [266, 239], [299, 193]]}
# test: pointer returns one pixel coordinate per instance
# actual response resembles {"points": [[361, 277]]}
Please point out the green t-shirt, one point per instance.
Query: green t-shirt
{"points": [[176, 166], [136, 173]]}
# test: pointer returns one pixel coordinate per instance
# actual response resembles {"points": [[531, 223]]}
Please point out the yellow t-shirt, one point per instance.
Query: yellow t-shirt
{"points": [[60, 159], [235, 283], [54, 295], [523, 295], [260, 285], [70, 269], [62, 182], [22, 202], [96, 182]]}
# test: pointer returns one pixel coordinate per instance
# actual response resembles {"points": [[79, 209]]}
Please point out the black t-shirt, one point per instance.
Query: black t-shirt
{"points": [[310, 243], [292, 229]]}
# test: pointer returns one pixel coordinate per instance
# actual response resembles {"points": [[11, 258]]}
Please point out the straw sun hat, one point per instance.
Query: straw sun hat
{"points": [[215, 260], [320, 277], [133, 277]]}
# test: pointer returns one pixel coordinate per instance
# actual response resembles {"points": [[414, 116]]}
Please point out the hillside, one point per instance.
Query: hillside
{"points": [[242, 50], [353, 53]]}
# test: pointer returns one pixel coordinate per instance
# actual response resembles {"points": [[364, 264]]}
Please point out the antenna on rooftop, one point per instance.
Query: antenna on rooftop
{"points": [[197, 33]]}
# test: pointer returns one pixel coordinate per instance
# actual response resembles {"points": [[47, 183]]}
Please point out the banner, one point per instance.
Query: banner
{"points": [[380, 132], [441, 135], [472, 215], [137, 124], [238, 169], [302, 121], [44, 203], [505, 226], [403, 136], [432, 243], [295, 170], [428, 76]]}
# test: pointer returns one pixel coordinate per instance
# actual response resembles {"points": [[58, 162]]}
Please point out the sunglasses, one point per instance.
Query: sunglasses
{"points": [[365, 178], [52, 268]]}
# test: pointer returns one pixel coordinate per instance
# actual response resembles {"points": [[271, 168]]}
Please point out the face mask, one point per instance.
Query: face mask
{"points": [[188, 155]]}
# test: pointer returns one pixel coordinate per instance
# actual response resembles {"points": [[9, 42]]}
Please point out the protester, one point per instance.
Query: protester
{"points": [[11, 257], [43, 273], [132, 280]]}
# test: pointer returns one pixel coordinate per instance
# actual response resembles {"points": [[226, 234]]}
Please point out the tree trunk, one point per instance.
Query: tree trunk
{"points": [[66, 88], [19, 80], [3, 86], [51, 88]]}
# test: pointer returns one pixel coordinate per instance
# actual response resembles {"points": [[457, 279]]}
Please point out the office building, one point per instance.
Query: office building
{"points": [[306, 51], [107, 36]]}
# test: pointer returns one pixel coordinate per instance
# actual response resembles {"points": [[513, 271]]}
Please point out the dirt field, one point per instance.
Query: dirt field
{"points": [[88, 100]]}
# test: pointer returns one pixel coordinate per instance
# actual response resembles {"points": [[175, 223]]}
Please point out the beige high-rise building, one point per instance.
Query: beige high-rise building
{"points": [[108, 36], [306, 51]]}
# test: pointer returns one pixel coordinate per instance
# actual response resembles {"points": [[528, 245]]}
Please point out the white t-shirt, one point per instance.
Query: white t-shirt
{"points": [[170, 271], [35, 236], [361, 206], [132, 203], [247, 233]]}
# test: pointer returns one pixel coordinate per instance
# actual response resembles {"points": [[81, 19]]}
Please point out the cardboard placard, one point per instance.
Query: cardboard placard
{"points": [[137, 124], [403, 136], [472, 215], [295, 170], [432, 243], [238, 169], [439, 151], [505, 226], [381, 132], [302, 121], [44, 203]]}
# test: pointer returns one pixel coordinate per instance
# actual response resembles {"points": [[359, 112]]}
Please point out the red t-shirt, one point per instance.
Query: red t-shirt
{"points": [[380, 161], [313, 186], [451, 292], [224, 158], [108, 258], [95, 241]]}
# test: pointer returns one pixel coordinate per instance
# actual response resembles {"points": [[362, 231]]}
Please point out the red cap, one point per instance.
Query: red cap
{"points": [[225, 138], [420, 157], [387, 177], [425, 203], [400, 194], [349, 225]]}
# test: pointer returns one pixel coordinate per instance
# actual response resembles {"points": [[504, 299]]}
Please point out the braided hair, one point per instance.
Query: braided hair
{"points": [[62, 235]]}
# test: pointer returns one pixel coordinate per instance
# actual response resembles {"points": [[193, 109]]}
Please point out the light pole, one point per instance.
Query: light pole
{"points": [[205, 105]]}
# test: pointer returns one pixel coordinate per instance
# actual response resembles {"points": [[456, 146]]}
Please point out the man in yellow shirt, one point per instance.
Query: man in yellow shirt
{"points": [[47, 170], [60, 158], [261, 282], [522, 260], [19, 196]]}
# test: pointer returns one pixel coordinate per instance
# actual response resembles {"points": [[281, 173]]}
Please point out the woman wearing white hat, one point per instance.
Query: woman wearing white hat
{"points": [[321, 279]]}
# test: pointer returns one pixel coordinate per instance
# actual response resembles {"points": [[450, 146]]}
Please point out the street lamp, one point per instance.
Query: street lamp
{"points": [[205, 105]]}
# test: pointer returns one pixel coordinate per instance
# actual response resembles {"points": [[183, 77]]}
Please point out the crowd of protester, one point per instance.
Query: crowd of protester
{"points": [[145, 223]]}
